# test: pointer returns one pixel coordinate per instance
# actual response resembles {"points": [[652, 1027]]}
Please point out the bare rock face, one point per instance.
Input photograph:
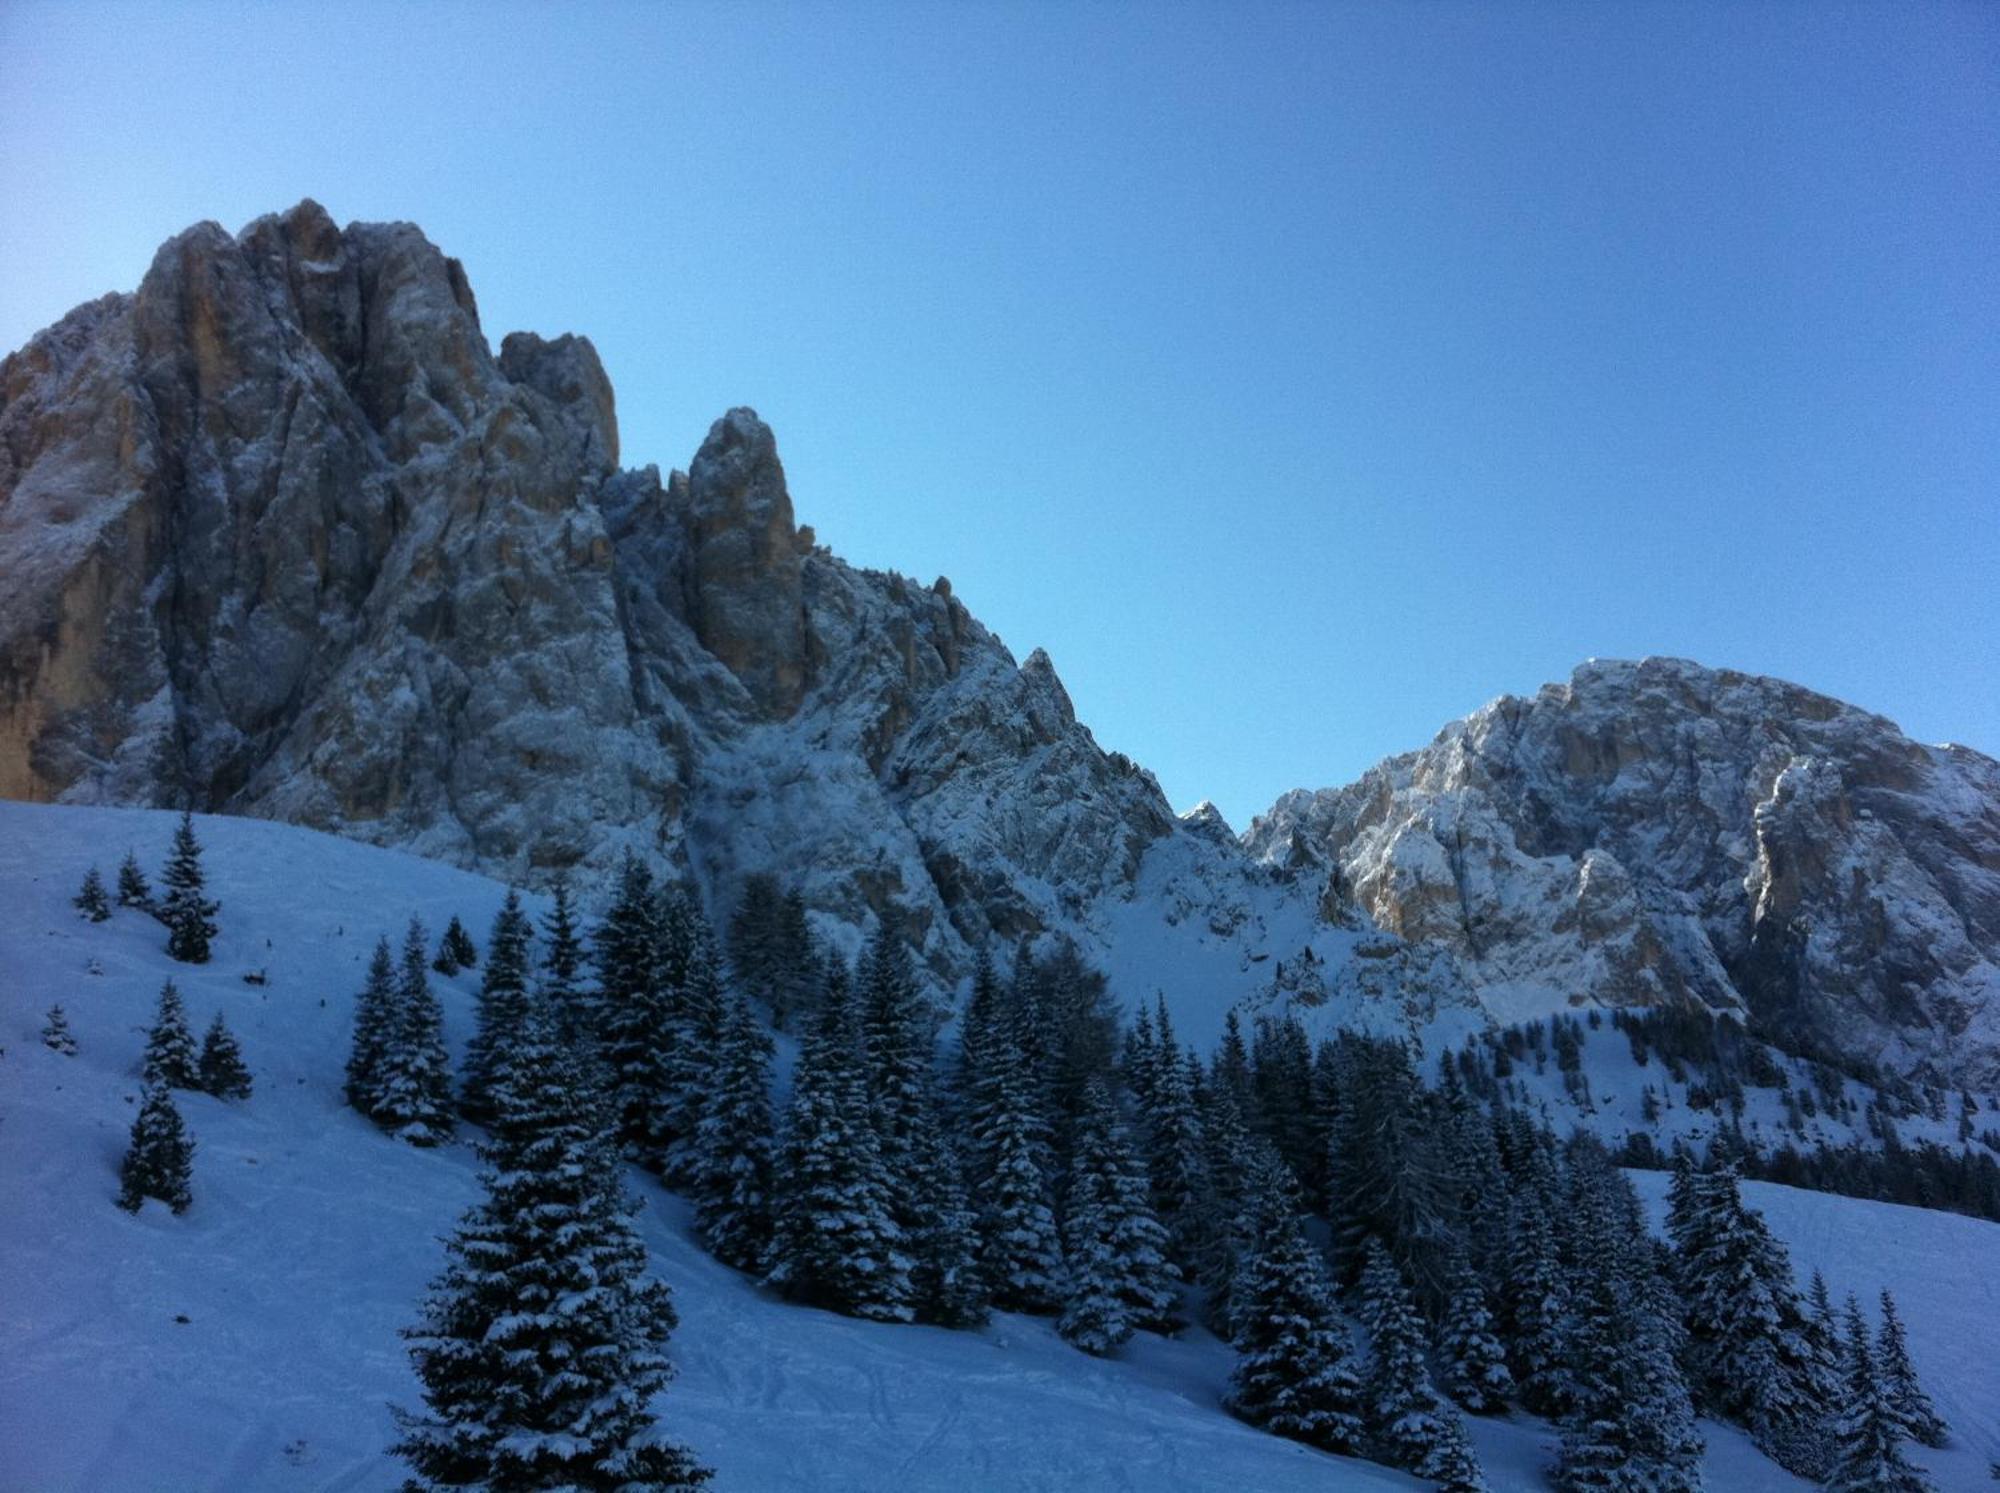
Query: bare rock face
{"points": [[1659, 832], [284, 537]]}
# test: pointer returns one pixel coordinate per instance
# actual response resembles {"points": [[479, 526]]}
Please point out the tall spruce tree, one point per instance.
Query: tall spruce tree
{"points": [[456, 950], [185, 907], [159, 1163], [1868, 1451], [132, 888], [1118, 1277], [220, 1068], [1914, 1410], [691, 988], [631, 1013], [91, 899], [1536, 1305], [1176, 1159], [171, 1060], [374, 1029], [1020, 1250], [413, 1080], [541, 1344], [1469, 1349], [731, 1170], [1409, 1423], [947, 1283], [503, 1004], [835, 1241], [563, 957], [1294, 1376]]}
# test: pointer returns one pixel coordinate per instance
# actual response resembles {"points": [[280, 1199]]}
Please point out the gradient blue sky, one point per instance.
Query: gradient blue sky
{"points": [[1301, 377]]}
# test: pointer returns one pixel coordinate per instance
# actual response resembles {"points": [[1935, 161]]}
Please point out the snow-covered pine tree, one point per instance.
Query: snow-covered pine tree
{"points": [[1295, 1375], [1409, 1423], [1630, 1426], [541, 1343], [56, 1034], [691, 985], [171, 1059], [1118, 1277], [132, 888], [456, 950], [220, 1068], [503, 1004], [1140, 1060], [1226, 1226], [1536, 1307], [563, 957], [184, 908], [948, 1286], [835, 1242], [1176, 1161], [159, 1163], [631, 1015], [374, 1028], [1748, 1341], [1386, 1176], [1868, 1451], [1230, 1068], [981, 1035], [1907, 1397], [1020, 1250], [1473, 1361], [896, 1053], [91, 899], [731, 1171], [413, 1087]]}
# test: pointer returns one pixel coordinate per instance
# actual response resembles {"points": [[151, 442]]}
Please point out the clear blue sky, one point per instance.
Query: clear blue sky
{"points": [[1301, 377]]}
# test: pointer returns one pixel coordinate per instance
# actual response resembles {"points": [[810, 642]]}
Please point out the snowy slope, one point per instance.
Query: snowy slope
{"points": [[311, 1238]]}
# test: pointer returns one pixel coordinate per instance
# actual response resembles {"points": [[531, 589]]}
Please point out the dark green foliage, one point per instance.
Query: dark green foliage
{"points": [[456, 950], [412, 1094], [1295, 1376], [690, 990], [171, 1058], [835, 1240], [159, 1163], [563, 958], [184, 908], [1473, 1361], [541, 1344], [91, 899], [132, 888], [1409, 1423], [56, 1034], [771, 950], [374, 1029], [503, 1004], [1117, 1277], [1868, 1453], [1388, 1180], [220, 1069], [1914, 1410], [631, 1014], [731, 1172]]}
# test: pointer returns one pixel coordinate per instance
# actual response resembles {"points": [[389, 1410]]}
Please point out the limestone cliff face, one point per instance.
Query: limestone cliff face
{"points": [[1659, 831], [283, 537]]}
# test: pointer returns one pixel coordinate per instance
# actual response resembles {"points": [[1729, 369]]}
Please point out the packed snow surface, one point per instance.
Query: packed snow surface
{"points": [[253, 1343]]}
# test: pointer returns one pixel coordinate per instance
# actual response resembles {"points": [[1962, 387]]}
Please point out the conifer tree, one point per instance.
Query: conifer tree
{"points": [[691, 987], [563, 958], [1226, 1225], [132, 888], [1020, 1251], [503, 1004], [374, 1029], [456, 950], [1537, 1305], [1175, 1155], [1295, 1376], [220, 1068], [160, 1160], [1473, 1360], [56, 1034], [731, 1170], [91, 900], [1118, 1277], [1409, 1422], [541, 1343], [171, 1058], [1914, 1410], [413, 1087], [631, 1015], [185, 909], [1868, 1452], [835, 1241], [947, 1284]]}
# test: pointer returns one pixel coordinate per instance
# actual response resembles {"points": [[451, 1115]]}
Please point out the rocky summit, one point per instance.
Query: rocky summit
{"points": [[281, 535]]}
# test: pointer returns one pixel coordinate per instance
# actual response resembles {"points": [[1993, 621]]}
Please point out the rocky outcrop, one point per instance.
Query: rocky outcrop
{"points": [[1659, 832]]}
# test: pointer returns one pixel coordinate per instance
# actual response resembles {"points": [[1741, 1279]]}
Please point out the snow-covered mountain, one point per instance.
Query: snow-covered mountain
{"points": [[253, 1343], [1658, 831], [283, 536]]}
